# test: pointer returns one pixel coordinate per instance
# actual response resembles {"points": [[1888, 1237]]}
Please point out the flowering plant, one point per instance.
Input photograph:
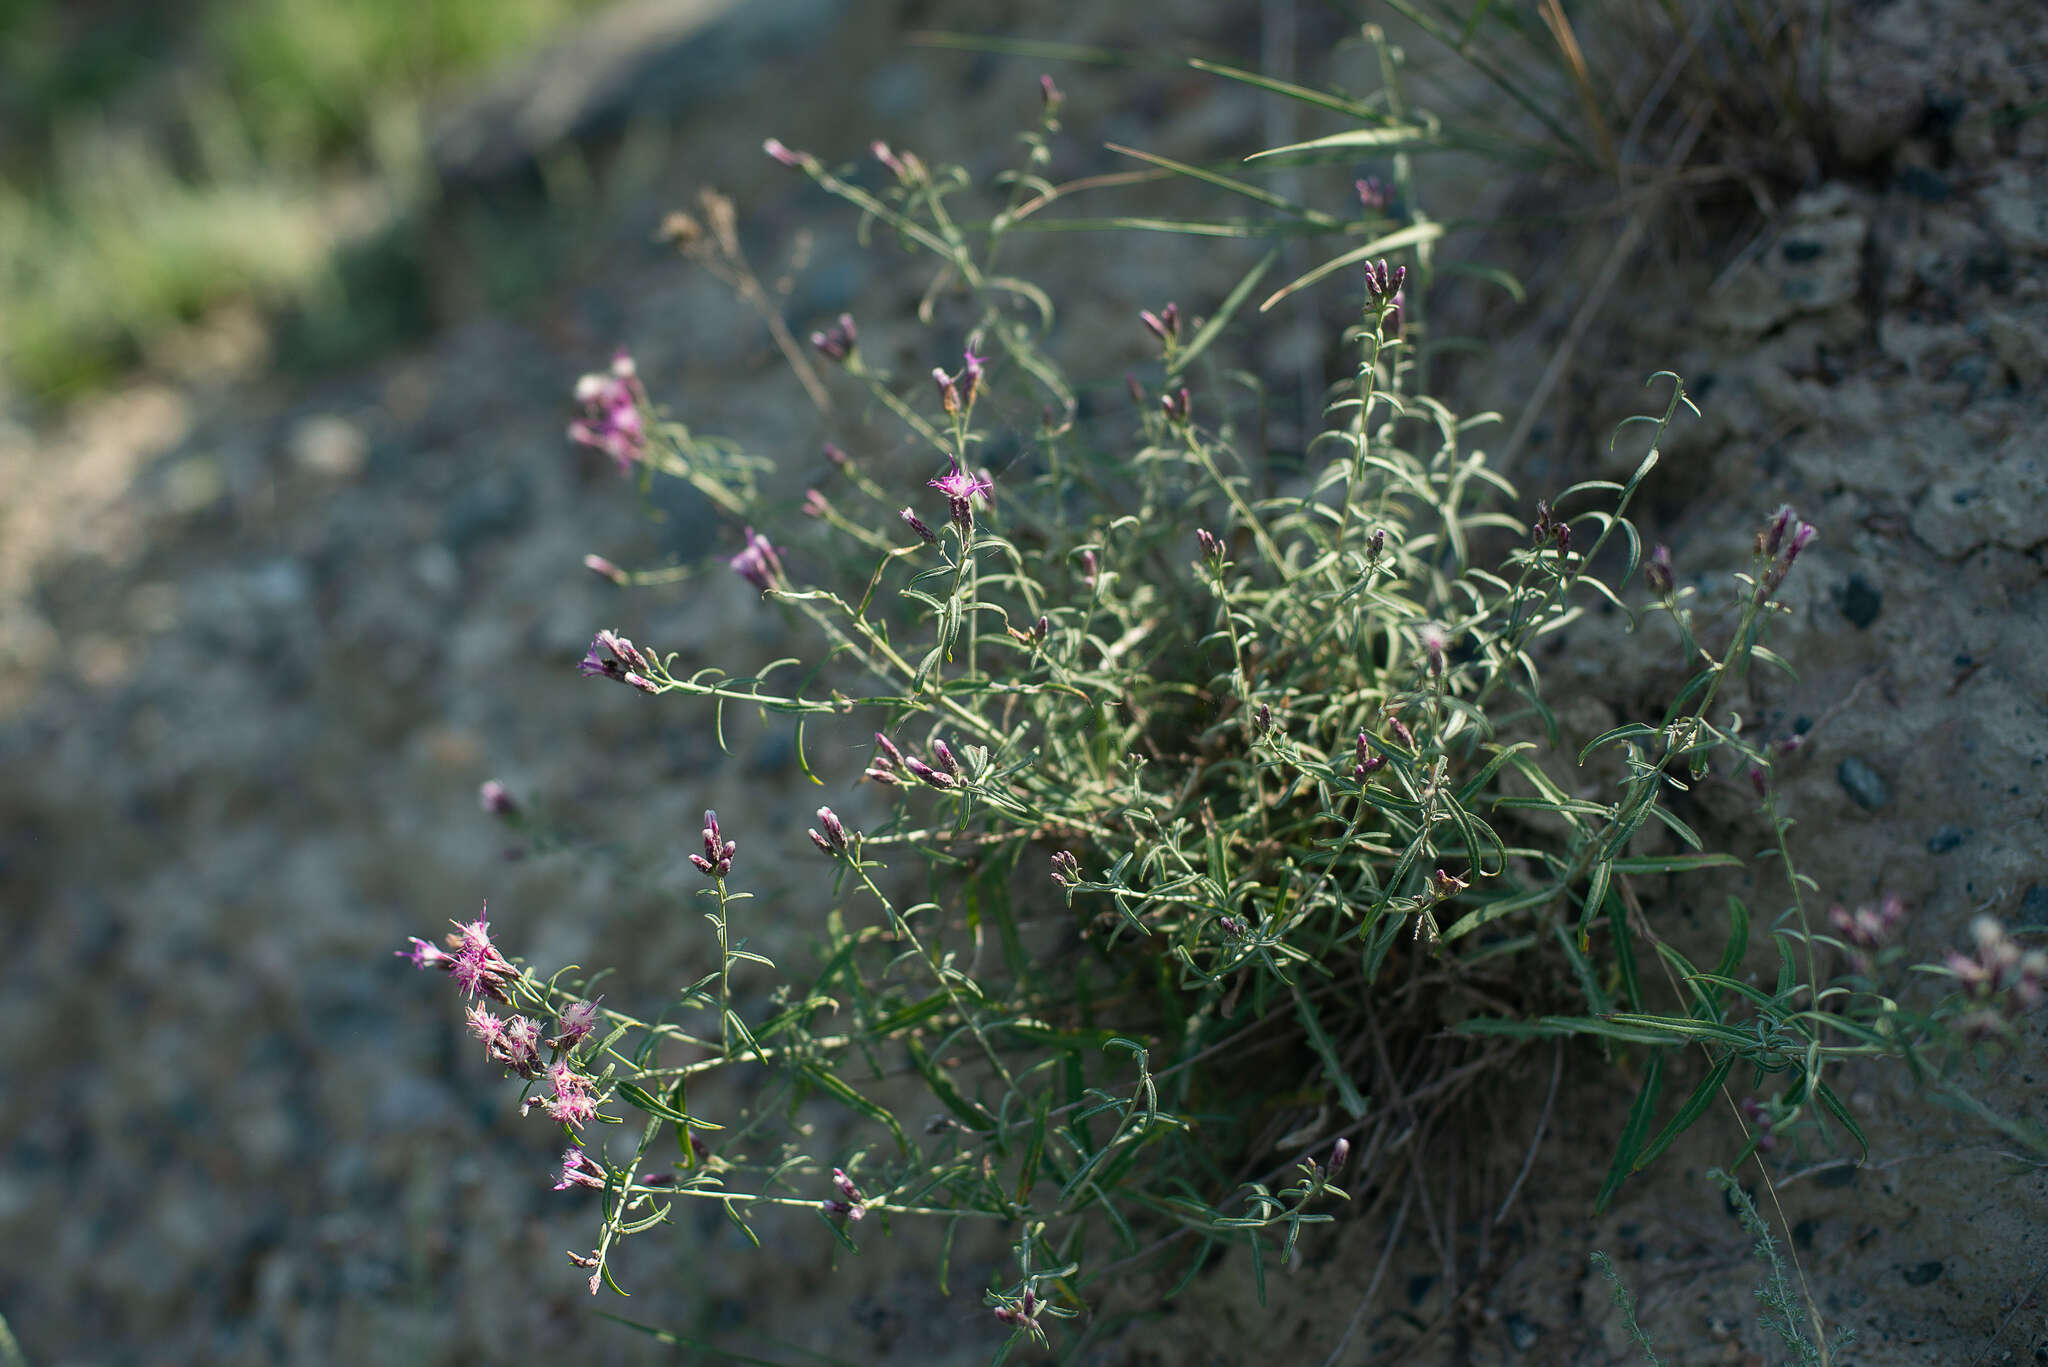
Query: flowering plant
{"points": [[1283, 747]]}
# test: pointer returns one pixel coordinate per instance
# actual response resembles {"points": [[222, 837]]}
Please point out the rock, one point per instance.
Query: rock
{"points": [[1860, 601], [2017, 210], [1864, 785], [1996, 504], [2034, 905], [1522, 1332], [329, 446], [1921, 183], [1815, 265], [1947, 838], [1920, 1274], [1873, 107], [2020, 347], [638, 60]]}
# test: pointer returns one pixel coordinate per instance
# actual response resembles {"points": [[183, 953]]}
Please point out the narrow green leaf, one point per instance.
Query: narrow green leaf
{"points": [[642, 1099], [1695, 1106], [1839, 1109], [1347, 1091], [1624, 952], [1391, 136], [838, 1088], [1689, 1027], [1493, 911], [1633, 729], [1413, 235], [1213, 327], [1631, 1143], [1336, 104], [1675, 863], [1258, 194]]}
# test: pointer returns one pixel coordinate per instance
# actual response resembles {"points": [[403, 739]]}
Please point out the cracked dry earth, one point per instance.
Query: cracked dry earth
{"points": [[263, 637]]}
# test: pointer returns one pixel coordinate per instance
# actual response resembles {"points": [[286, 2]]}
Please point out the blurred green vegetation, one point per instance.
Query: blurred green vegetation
{"points": [[158, 162]]}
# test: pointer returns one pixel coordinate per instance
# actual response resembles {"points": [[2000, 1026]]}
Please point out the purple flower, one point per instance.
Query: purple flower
{"points": [[757, 562], [424, 955], [816, 504], [1368, 762], [716, 861], [883, 768], [1382, 284], [577, 1021], [946, 757], [905, 166], [961, 488], [1374, 194], [611, 420], [578, 1171], [837, 342], [833, 841], [479, 969], [1657, 570], [572, 1104], [1768, 544], [795, 161], [1433, 643], [930, 775], [1165, 324], [1066, 869], [917, 524], [604, 568], [495, 799], [1053, 96], [973, 367], [851, 1203]]}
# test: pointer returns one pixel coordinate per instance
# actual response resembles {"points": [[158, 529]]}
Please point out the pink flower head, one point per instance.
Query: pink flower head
{"points": [[576, 1022], [794, 160], [757, 562], [837, 343], [851, 1203], [611, 420], [1165, 324], [486, 1025], [971, 371], [479, 969], [960, 488], [716, 861], [424, 955], [615, 657], [578, 1171], [572, 1104]]}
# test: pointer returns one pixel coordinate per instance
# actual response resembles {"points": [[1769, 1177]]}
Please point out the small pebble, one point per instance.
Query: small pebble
{"points": [[1522, 1332], [1946, 839], [1919, 1274], [1864, 785], [1861, 601], [1922, 183]]}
